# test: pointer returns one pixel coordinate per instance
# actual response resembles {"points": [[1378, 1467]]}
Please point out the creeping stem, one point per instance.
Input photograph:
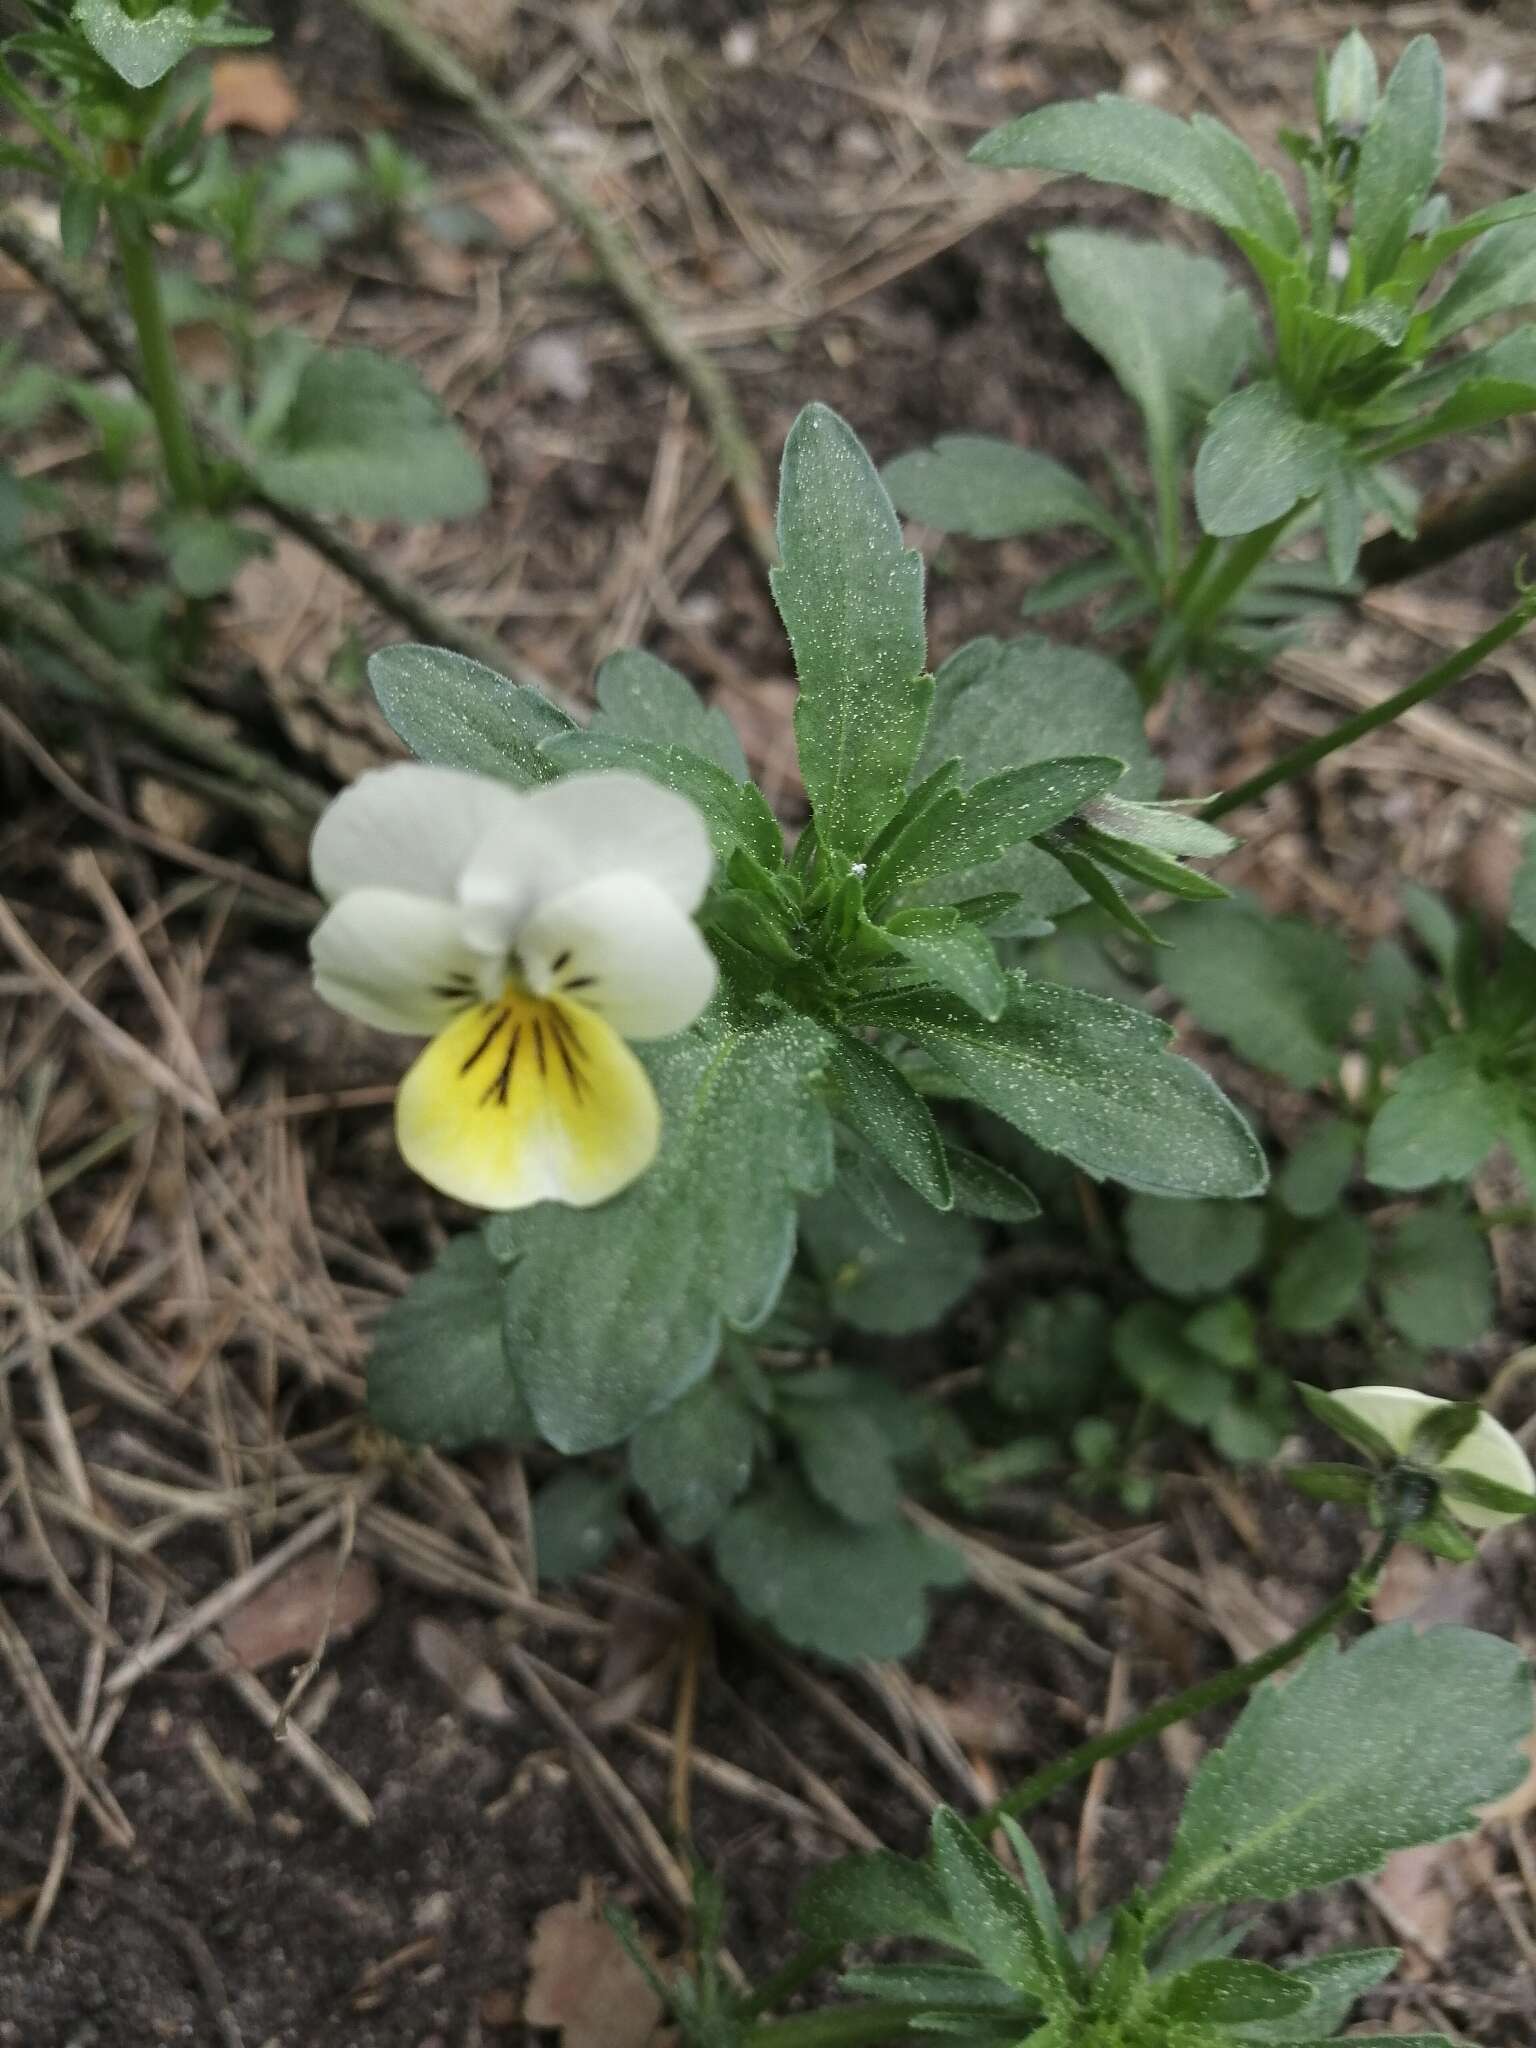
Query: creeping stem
{"points": [[1195, 1699], [850, 2026], [1300, 759]]}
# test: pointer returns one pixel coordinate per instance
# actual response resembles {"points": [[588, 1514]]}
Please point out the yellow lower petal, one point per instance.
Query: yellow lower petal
{"points": [[527, 1099]]}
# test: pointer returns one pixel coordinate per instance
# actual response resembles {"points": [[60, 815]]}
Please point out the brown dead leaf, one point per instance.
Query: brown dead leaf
{"points": [[251, 92], [982, 1718], [1516, 1805], [1421, 1888], [288, 1618], [454, 1660], [581, 1981], [514, 206]]}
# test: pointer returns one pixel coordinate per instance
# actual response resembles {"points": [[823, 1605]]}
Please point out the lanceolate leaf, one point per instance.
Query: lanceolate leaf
{"points": [[1500, 273], [997, 1918], [1092, 1079], [968, 484], [851, 597], [1282, 991], [1259, 458], [1399, 157], [644, 699], [1197, 164], [1170, 325], [1001, 705], [876, 1099], [460, 714], [1395, 1741], [613, 1312], [870, 1898]]}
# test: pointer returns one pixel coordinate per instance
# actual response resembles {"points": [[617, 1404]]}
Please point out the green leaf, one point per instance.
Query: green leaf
{"points": [[1170, 325], [1488, 385], [1437, 1278], [845, 1459], [736, 813], [364, 437], [1399, 158], [642, 698], [1092, 1079], [1313, 1179], [873, 1097], [873, 1898], [1153, 1350], [1056, 1357], [1193, 1248], [1224, 1330], [997, 1919], [1197, 164], [205, 553], [142, 49], [613, 1312], [957, 1987], [890, 1284], [1002, 811], [955, 954], [1227, 1992], [1333, 1983], [1322, 1276], [1283, 992], [694, 1458], [460, 714], [1000, 705], [1479, 1492], [983, 1188], [438, 1372], [825, 1585], [1439, 1123], [1393, 1742], [1347, 1485], [851, 598], [991, 490], [1160, 828], [1074, 584], [1498, 275], [1259, 458], [577, 1520]]}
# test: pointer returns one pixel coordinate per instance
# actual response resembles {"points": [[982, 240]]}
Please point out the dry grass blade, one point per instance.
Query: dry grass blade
{"points": [[81, 1771]]}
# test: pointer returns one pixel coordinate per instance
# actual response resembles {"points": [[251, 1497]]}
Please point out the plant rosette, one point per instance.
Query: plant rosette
{"points": [[529, 936]]}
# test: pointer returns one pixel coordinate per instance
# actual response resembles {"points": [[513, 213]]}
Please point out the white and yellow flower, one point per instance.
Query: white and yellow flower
{"points": [[529, 935], [1487, 1451]]}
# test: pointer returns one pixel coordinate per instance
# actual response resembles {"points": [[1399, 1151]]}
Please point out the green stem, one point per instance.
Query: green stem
{"points": [[42, 123], [1238, 565], [157, 353], [1195, 1699], [783, 1984], [836, 2026], [1202, 594], [1300, 759]]}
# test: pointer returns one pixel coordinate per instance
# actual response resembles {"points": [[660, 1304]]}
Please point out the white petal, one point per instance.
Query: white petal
{"points": [[588, 825], [396, 961], [620, 946], [1487, 1450], [410, 827]]}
